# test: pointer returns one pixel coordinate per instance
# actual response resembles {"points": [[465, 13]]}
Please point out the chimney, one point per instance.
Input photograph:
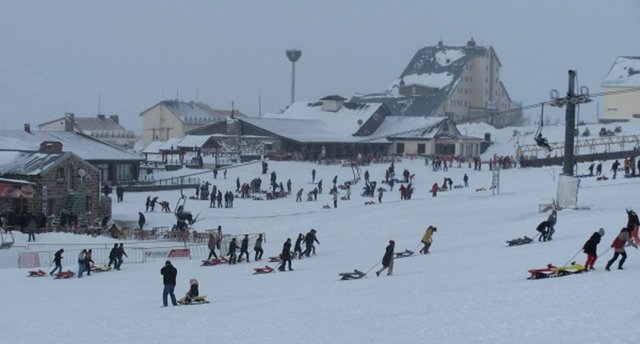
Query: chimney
{"points": [[51, 147], [27, 128], [115, 118], [101, 117], [70, 121], [471, 43]]}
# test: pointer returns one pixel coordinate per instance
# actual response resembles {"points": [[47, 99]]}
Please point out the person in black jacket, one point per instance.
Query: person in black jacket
{"points": [[258, 248], [542, 229], [141, 220], [113, 256], [119, 253], [285, 256], [233, 246], [387, 259], [169, 274], [244, 247], [297, 248], [590, 247], [309, 239], [57, 259]]}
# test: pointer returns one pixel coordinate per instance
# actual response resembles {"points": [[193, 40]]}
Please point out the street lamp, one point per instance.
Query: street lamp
{"points": [[293, 56]]}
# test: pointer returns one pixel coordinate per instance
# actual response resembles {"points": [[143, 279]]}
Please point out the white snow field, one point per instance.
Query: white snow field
{"points": [[472, 288]]}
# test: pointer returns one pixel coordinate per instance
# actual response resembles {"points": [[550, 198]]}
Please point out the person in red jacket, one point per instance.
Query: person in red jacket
{"points": [[618, 248]]}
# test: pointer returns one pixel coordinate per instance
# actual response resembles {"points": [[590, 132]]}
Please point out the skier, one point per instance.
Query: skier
{"points": [[113, 256], [244, 247], [618, 248], [258, 249], [285, 256], [542, 229], [232, 251], [193, 290], [141, 220], [387, 259], [309, 239], [212, 246], [169, 274], [119, 253], [297, 248], [590, 247], [427, 239], [551, 220], [632, 224], [57, 259]]}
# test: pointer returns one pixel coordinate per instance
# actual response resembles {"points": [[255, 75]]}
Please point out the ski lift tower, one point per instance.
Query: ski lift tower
{"points": [[293, 55]]}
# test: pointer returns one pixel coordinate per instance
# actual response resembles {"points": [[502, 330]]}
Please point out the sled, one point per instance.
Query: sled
{"points": [[556, 271], [64, 274], [197, 300], [356, 274], [520, 241], [36, 273], [100, 268], [215, 261], [275, 259], [404, 254], [263, 270]]}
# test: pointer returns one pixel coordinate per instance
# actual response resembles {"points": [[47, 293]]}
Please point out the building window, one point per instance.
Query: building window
{"points": [[399, 148], [421, 148]]}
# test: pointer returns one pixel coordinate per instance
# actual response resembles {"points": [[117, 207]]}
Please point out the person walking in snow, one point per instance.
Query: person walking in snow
{"points": [[285, 256], [233, 246], [113, 256], [551, 221], [599, 169], [211, 244], [466, 180], [119, 253], [57, 260], [147, 204], [387, 259], [299, 195], [169, 274], [542, 229], [320, 186], [380, 192], [297, 248], [309, 240], [244, 247], [618, 245], [614, 168], [590, 248], [427, 239], [141, 220], [257, 247]]}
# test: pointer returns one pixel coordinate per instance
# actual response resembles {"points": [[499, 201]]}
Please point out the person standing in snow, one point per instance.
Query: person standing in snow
{"points": [[366, 176], [233, 246], [542, 229], [334, 195], [313, 175], [88, 261], [618, 248], [141, 220], [466, 180], [257, 247], [380, 192], [551, 221], [434, 189], [387, 259], [599, 169], [147, 204], [81, 263], [614, 168], [212, 246], [244, 247], [285, 256], [320, 186], [113, 256], [119, 253], [57, 259], [299, 195], [169, 274], [297, 248], [427, 239], [632, 225], [309, 240], [590, 248]]}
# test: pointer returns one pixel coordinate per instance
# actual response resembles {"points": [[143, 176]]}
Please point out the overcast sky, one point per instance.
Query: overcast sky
{"points": [[63, 56]]}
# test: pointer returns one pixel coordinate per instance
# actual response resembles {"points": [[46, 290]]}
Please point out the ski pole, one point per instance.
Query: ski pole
{"points": [[570, 259]]}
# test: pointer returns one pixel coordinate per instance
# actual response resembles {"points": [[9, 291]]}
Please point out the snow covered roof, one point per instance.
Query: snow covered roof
{"points": [[190, 141], [195, 111], [409, 127], [29, 163], [86, 147], [625, 72], [344, 122]]}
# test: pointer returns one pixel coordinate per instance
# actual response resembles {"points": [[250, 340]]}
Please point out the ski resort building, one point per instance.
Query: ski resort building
{"points": [[174, 118], [459, 82], [107, 129], [623, 87]]}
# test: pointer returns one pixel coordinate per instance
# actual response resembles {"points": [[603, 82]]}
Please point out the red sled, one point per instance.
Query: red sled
{"points": [[542, 273], [262, 270], [214, 261], [36, 273], [64, 274]]}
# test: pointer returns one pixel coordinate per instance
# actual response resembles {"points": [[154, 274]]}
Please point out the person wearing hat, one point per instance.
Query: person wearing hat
{"points": [[618, 248], [169, 274], [632, 224], [427, 239], [387, 259], [590, 247], [193, 290]]}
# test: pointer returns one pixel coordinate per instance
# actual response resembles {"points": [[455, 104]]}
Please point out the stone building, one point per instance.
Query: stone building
{"points": [[107, 129]]}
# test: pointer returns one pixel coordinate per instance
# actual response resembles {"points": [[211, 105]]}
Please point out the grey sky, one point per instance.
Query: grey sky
{"points": [[59, 56]]}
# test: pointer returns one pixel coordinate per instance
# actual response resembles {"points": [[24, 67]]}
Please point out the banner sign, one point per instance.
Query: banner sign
{"points": [[15, 191], [167, 253]]}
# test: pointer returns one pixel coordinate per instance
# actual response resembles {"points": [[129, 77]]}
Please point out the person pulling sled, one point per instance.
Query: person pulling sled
{"points": [[618, 245], [590, 248], [427, 239]]}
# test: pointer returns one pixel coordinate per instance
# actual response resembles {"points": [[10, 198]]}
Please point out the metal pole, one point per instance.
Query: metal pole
{"points": [[570, 123], [293, 82]]}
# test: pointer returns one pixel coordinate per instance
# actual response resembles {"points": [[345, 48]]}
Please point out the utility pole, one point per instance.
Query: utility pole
{"points": [[293, 56]]}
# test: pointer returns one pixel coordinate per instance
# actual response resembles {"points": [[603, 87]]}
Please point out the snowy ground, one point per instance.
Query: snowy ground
{"points": [[470, 289]]}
